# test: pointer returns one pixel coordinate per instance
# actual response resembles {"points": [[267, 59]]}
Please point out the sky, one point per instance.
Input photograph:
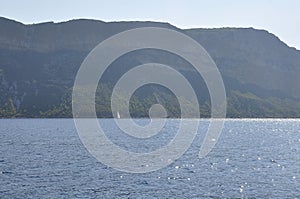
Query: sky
{"points": [[280, 17]]}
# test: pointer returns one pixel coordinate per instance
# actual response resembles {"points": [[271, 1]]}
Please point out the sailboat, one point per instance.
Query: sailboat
{"points": [[118, 115], [160, 102]]}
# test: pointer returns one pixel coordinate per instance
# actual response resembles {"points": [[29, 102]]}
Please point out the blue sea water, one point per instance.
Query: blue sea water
{"points": [[44, 158]]}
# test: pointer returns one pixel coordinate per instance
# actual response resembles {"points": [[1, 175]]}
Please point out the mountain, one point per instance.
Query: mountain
{"points": [[38, 64]]}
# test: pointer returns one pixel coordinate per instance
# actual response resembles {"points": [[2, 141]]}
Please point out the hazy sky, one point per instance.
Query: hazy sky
{"points": [[281, 17]]}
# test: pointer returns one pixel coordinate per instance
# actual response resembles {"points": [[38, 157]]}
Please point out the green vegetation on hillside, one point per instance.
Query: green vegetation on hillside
{"points": [[239, 105], [260, 72]]}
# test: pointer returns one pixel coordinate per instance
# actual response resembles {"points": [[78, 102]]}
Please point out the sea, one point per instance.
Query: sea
{"points": [[253, 158]]}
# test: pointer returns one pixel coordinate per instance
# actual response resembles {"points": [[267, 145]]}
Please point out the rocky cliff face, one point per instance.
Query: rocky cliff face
{"points": [[38, 64], [253, 57]]}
